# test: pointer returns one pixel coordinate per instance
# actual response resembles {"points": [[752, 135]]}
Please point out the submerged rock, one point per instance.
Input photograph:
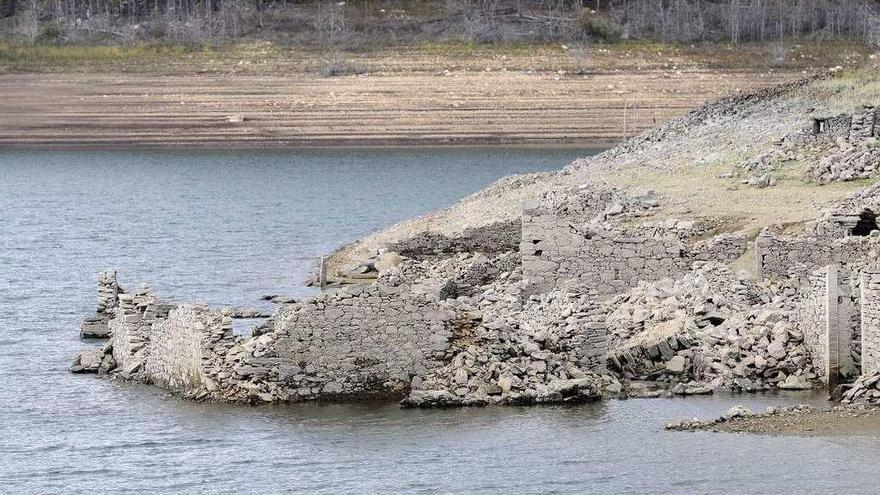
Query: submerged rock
{"points": [[88, 361]]}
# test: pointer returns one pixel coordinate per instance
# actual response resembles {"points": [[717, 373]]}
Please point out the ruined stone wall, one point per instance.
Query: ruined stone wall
{"points": [[863, 124], [569, 239], [181, 354], [362, 341], [557, 252], [108, 299], [870, 320], [723, 248], [130, 330], [827, 317], [605, 261], [811, 318], [108, 293], [782, 256]]}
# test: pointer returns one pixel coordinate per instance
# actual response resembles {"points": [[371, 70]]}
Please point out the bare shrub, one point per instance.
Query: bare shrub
{"points": [[591, 25], [29, 22]]}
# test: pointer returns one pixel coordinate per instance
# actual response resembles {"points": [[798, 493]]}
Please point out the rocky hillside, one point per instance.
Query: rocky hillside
{"points": [[700, 164]]}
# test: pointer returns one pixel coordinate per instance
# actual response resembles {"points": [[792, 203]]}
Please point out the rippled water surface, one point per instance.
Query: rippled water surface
{"points": [[227, 228]]}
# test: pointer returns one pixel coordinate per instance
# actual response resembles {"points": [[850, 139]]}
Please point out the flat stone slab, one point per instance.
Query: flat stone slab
{"points": [[95, 328]]}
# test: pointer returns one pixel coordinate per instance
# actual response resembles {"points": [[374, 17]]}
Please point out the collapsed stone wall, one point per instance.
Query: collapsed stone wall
{"points": [[575, 315], [547, 348], [849, 151], [708, 329]]}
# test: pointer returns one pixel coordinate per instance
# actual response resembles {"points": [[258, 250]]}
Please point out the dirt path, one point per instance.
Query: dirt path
{"points": [[500, 107]]}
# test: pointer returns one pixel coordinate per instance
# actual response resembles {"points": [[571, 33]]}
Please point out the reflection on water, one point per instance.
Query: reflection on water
{"points": [[230, 227]]}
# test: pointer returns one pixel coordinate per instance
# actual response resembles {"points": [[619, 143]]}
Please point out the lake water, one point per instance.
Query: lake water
{"points": [[229, 227]]}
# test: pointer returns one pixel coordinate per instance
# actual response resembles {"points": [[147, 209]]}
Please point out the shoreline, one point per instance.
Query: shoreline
{"points": [[286, 147], [797, 421]]}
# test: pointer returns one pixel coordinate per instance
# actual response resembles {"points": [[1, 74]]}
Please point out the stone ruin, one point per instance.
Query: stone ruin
{"points": [[108, 292], [578, 237], [601, 298], [843, 147]]}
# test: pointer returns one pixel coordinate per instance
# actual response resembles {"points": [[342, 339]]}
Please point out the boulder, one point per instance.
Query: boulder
{"points": [[795, 382], [88, 361], [676, 365], [95, 328], [431, 398]]}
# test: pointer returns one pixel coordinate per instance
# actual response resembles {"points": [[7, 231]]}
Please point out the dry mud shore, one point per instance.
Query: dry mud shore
{"points": [[107, 110], [792, 421], [263, 95]]}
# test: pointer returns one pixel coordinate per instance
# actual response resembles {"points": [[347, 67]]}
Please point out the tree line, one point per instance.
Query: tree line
{"points": [[479, 20]]}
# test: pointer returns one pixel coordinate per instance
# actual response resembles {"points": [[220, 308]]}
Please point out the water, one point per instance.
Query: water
{"points": [[227, 228]]}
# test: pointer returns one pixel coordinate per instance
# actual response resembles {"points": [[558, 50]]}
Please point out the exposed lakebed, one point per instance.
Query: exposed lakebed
{"points": [[227, 228]]}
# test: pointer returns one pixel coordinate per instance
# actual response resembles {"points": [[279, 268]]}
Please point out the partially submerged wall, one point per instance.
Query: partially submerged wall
{"points": [[182, 355], [130, 330], [361, 341], [108, 293]]}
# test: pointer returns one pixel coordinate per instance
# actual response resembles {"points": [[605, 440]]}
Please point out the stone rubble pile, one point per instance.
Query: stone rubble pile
{"points": [[865, 390], [846, 161], [846, 148], [462, 274], [708, 329], [518, 353]]}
